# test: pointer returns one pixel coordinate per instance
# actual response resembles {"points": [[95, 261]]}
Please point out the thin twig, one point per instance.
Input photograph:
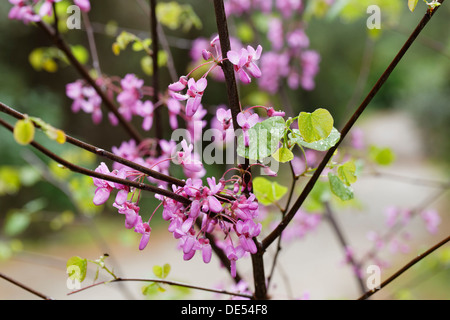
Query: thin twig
{"points": [[405, 268], [172, 283], [17, 283], [92, 45], [378, 85], [344, 244], [94, 174]]}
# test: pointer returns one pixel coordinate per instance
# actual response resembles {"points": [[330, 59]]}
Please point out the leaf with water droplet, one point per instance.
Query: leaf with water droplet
{"points": [[321, 145], [24, 131], [339, 188], [315, 126], [283, 155]]}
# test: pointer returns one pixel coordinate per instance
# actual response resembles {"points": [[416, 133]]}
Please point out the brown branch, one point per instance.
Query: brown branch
{"points": [[62, 45], [381, 81], [405, 268], [103, 153], [91, 173], [344, 244], [36, 293], [172, 283], [234, 105]]}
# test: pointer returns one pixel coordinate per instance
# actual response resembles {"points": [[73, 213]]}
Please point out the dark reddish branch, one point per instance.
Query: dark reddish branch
{"points": [[234, 105], [20, 285], [405, 268], [155, 49], [381, 81], [103, 153], [94, 174], [62, 45]]}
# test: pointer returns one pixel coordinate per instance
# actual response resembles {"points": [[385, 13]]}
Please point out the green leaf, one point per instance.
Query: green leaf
{"points": [[24, 131], [77, 268], [382, 156], [264, 138], [315, 126], [339, 188], [81, 53], [347, 173], [16, 223], [412, 4], [321, 145], [283, 155], [267, 192], [162, 271]]}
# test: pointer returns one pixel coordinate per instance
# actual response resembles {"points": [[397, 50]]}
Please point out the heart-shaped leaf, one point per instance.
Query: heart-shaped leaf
{"points": [[315, 126]]}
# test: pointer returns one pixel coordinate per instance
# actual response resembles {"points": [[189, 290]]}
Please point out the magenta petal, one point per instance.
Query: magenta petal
{"points": [[101, 196], [233, 56], [214, 204], [147, 123], [121, 197], [244, 77], [254, 70], [144, 241], [177, 86], [206, 253], [201, 85]]}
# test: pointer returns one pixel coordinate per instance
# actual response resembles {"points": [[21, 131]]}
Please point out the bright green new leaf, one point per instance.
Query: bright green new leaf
{"points": [[77, 268], [412, 4], [264, 138], [339, 188], [283, 155], [321, 145], [268, 192], [347, 173], [315, 126], [382, 156], [24, 131], [81, 53], [162, 271]]}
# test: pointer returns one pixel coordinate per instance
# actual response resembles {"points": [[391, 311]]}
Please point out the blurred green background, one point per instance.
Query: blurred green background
{"points": [[43, 213]]}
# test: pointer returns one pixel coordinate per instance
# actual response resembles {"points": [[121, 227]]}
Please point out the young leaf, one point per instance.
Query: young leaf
{"points": [[412, 4], [339, 188], [321, 145], [77, 268], [347, 173], [24, 131], [162, 272], [382, 156], [264, 138], [268, 192], [283, 155], [315, 126]]}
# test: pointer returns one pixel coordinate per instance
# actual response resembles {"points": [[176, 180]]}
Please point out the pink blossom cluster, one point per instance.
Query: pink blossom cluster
{"points": [[126, 207], [234, 218], [24, 10], [85, 98], [244, 65]]}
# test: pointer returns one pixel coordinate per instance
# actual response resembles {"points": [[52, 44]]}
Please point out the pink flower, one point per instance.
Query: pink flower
{"points": [[244, 63], [47, 8], [131, 212], [272, 113], [130, 96], [195, 93], [187, 160], [233, 254], [145, 110], [144, 229], [84, 5], [22, 11], [104, 187], [432, 220], [247, 121]]}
